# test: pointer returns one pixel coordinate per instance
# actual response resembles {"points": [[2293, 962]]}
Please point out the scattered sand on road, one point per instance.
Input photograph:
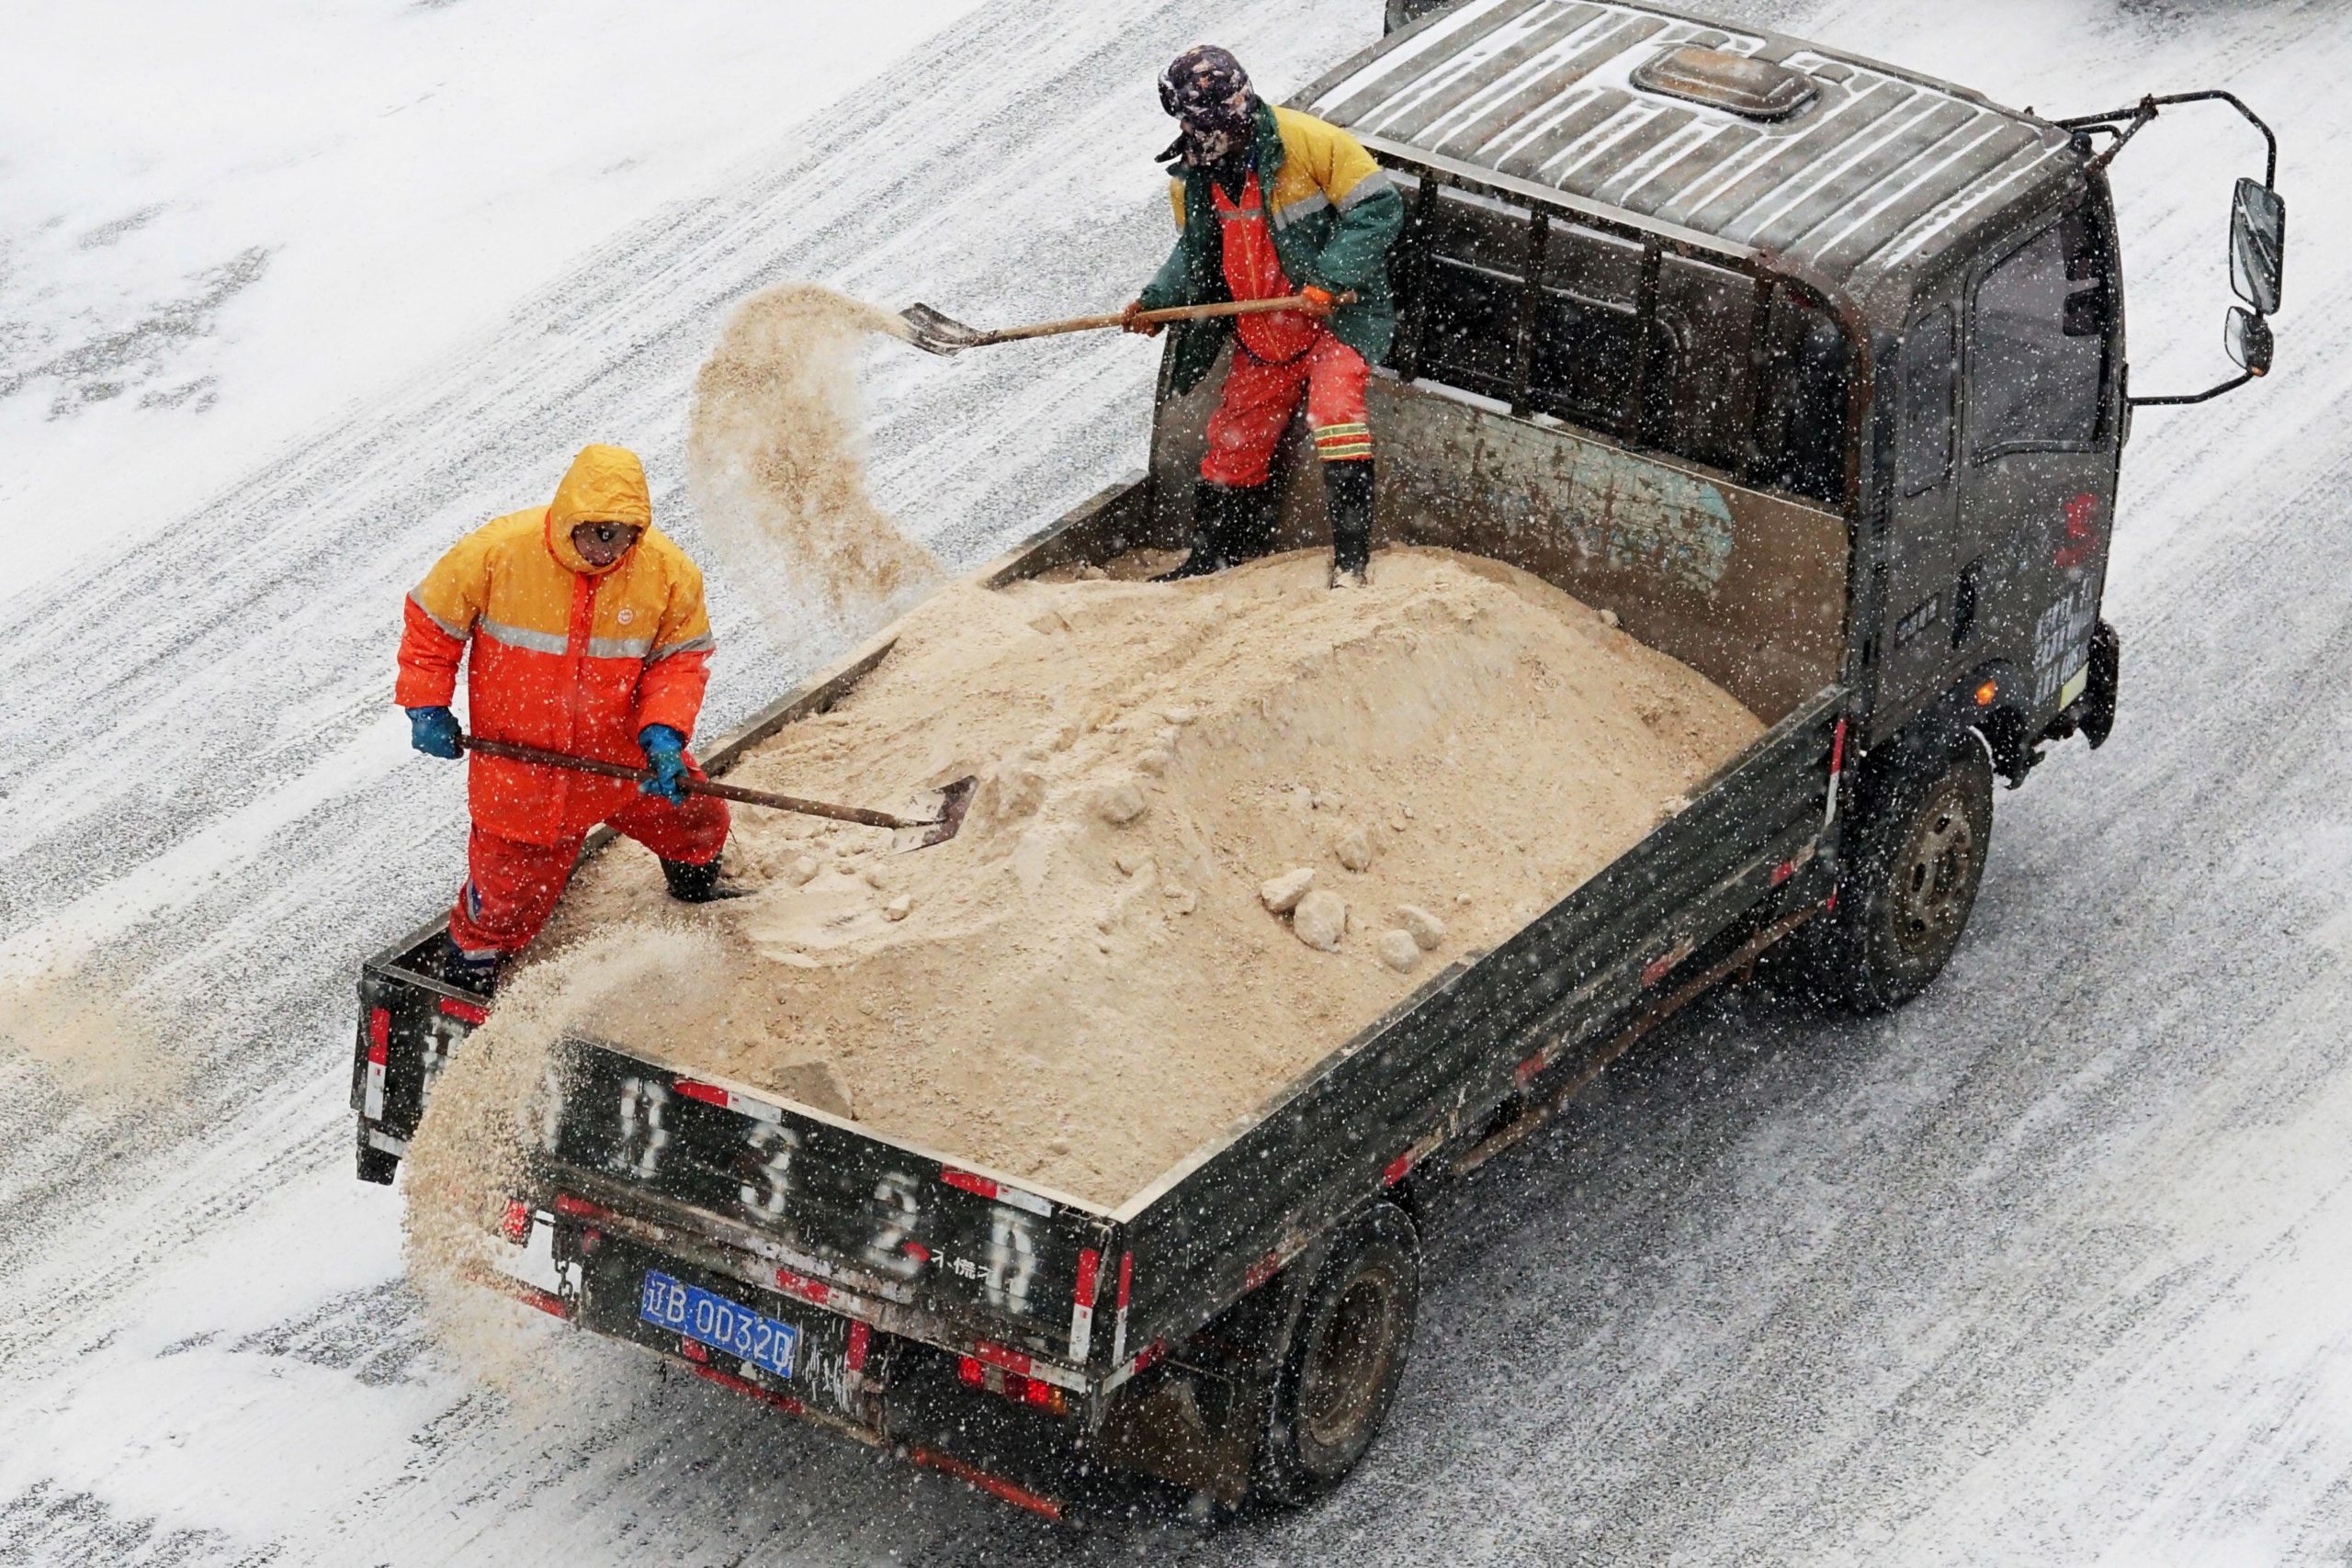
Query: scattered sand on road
{"points": [[79, 1025], [775, 463], [1086, 984]]}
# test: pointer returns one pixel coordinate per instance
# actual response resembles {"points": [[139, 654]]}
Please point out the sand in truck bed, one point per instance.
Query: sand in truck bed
{"points": [[1086, 984]]}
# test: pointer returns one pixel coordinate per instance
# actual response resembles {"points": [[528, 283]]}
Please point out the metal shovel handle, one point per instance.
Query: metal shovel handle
{"points": [[942, 334], [516, 753]]}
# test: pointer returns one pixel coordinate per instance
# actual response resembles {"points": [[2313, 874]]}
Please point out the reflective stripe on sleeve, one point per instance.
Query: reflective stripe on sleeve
{"points": [[619, 647], [1372, 184], [702, 644], [446, 629], [1305, 206]]}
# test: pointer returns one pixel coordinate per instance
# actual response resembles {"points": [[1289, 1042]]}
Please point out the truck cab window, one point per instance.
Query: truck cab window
{"points": [[1801, 411], [1587, 328], [1478, 260], [2034, 381], [1928, 373]]}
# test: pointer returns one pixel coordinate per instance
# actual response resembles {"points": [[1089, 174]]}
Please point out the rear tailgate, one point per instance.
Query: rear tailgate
{"points": [[825, 1211]]}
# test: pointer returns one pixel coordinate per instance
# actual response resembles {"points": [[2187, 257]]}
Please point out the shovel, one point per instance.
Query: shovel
{"points": [[947, 805], [929, 329]]}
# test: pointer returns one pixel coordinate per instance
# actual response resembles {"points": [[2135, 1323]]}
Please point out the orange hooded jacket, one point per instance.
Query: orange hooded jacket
{"points": [[565, 656]]}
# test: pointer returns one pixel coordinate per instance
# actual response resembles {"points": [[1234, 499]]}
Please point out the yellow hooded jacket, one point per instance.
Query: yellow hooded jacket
{"points": [[564, 656]]}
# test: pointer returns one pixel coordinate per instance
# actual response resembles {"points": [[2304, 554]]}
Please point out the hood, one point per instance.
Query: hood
{"points": [[605, 484]]}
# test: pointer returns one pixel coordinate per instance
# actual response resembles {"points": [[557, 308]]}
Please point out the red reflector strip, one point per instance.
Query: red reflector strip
{"points": [[815, 1291], [1526, 1070], [1396, 1169], [986, 1187], [915, 1250], [979, 1185], [380, 1051], [1002, 1355], [515, 1226], [1150, 1353], [1658, 968], [708, 1093], [550, 1304], [572, 1208], [860, 1337], [994, 1485], [1265, 1269], [783, 1402], [1126, 1276], [693, 1349], [1836, 766], [1081, 1313], [464, 1013], [1783, 870]]}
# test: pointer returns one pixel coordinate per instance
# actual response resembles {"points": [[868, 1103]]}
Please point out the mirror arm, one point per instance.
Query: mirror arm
{"points": [[2205, 396], [2143, 111]]}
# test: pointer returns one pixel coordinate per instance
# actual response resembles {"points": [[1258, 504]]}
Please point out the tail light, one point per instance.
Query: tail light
{"points": [[1015, 1386], [517, 1224]]}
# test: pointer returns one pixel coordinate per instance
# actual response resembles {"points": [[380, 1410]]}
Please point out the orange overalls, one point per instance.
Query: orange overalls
{"points": [[566, 657], [1278, 353]]}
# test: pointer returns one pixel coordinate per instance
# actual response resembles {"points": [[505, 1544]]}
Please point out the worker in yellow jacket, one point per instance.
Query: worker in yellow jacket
{"points": [[1271, 203], [587, 635]]}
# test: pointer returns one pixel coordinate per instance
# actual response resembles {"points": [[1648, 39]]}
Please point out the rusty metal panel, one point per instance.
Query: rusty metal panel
{"points": [[1746, 587]]}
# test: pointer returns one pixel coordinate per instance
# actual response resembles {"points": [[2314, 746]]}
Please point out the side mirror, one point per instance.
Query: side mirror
{"points": [[2247, 338], [2257, 245]]}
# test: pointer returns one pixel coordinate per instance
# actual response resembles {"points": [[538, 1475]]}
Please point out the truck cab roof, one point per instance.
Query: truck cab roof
{"points": [[1853, 175]]}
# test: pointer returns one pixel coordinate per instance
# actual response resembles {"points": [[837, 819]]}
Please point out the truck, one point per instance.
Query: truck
{"points": [[1809, 369]]}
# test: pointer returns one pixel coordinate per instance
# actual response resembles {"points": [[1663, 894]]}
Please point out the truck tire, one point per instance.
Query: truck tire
{"points": [[1339, 1373], [1915, 854]]}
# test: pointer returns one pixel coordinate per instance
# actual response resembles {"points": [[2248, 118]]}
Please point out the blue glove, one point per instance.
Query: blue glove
{"points": [[435, 732], [665, 754]]}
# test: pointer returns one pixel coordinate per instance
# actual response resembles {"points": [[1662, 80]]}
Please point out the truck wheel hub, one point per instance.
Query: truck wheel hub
{"points": [[1933, 876], [1341, 1381]]}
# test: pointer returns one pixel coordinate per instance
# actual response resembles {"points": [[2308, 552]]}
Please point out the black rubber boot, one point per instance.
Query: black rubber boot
{"points": [[1347, 496], [696, 884], [1251, 518], [1212, 511], [468, 972]]}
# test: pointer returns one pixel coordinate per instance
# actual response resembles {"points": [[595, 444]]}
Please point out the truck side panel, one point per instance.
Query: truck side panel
{"points": [[1440, 1066]]}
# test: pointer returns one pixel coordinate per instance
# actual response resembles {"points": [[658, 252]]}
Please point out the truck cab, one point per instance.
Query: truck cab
{"points": [[1816, 275]]}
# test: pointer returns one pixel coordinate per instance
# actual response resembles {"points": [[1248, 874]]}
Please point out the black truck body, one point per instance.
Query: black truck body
{"points": [[1743, 373]]}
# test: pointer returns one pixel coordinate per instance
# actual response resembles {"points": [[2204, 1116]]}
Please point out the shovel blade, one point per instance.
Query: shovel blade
{"points": [[944, 811], [936, 333]]}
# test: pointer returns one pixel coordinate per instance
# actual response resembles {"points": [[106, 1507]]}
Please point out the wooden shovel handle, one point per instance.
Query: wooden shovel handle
{"points": [[515, 751], [1173, 314]]}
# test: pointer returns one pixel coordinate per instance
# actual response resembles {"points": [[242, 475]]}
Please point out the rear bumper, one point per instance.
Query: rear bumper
{"points": [[872, 1387]]}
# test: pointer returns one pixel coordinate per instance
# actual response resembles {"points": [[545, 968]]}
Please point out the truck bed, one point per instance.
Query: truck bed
{"points": [[807, 1207]]}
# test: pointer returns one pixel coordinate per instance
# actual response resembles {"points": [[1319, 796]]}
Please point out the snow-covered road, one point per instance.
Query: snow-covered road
{"points": [[2056, 1266]]}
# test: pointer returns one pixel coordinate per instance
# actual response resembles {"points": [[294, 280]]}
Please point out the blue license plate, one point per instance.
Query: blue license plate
{"points": [[718, 1323]]}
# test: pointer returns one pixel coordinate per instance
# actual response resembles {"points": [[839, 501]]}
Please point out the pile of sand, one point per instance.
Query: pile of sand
{"points": [[776, 463], [1120, 954]]}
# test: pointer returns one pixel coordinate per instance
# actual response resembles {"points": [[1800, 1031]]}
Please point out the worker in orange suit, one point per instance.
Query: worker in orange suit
{"points": [[588, 636]]}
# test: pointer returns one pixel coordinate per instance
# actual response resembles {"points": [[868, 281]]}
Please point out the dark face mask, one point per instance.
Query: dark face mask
{"points": [[1209, 93]]}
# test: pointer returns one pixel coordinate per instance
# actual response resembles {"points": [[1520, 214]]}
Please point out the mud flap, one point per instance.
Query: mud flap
{"points": [[2097, 701]]}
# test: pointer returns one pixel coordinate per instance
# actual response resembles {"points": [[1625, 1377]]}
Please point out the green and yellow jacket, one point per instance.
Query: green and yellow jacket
{"points": [[1334, 215]]}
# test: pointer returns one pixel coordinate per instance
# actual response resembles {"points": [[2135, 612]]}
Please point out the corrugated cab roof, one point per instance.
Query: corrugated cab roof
{"points": [[1872, 176]]}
